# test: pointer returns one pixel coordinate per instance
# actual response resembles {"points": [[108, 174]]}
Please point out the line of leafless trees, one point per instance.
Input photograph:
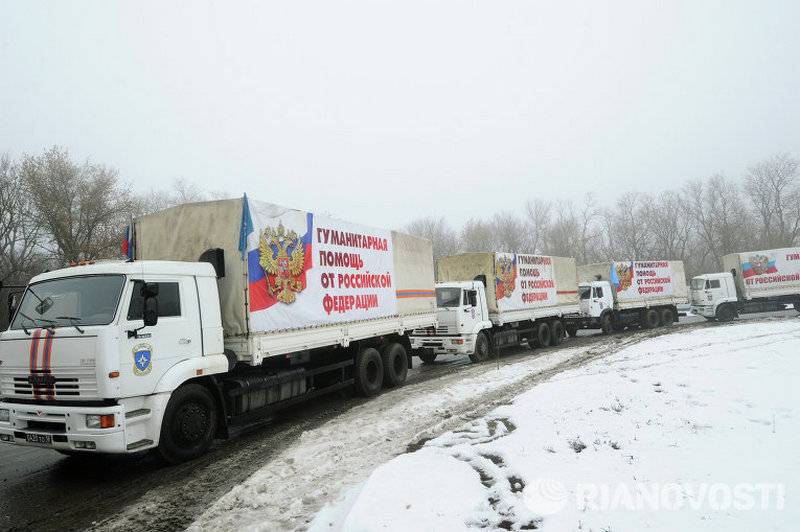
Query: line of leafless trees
{"points": [[55, 211], [697, 223]]}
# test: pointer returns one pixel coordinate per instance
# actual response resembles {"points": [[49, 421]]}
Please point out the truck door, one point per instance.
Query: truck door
{"points": [[715, 291], [600, 301], [471, 311], [146, 358]]}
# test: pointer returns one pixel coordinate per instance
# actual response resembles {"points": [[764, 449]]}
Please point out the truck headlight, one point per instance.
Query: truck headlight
{"points": [[96, 421], [5, 415]]}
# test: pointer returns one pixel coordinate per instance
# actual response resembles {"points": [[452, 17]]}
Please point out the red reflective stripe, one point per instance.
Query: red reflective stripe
{"points": [[34, 355], [48, 349], [566, 292]]}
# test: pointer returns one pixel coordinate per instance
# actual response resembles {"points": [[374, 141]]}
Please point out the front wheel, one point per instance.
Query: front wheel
{"points": [[607, 323], [482, 350], [725, 313], [189, 424]]}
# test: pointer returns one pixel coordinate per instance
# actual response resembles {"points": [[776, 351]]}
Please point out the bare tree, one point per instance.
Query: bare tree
{"points": [[477, 235], [19, 234], [626, 234], [509, 233], [773, 189], [538, 218], [82, 208], [443, 238]]}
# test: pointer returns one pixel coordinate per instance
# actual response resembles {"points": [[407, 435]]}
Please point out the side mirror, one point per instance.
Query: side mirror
{"points": [[150, 312], [149, 290], [12, 305]]}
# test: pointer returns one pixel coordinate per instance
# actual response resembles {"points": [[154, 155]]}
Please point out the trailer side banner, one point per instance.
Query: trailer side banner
{"points": [[305, 269], [636, 280], [524, 281]]}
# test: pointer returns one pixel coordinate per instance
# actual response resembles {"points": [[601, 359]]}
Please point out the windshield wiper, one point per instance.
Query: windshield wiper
{"points": [[33, 322], [73, 320]]}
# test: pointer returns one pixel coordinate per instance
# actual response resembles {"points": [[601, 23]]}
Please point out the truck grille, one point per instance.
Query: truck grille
{"points": [[63, 383], [430, 331]]}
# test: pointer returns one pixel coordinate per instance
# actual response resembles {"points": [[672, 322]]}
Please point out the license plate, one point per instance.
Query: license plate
{"points": [[41, 439]]}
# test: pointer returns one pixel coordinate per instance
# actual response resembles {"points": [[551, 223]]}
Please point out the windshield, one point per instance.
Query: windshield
{"points": [[448, 297], [698, 283], [90, 300], [585, 292]]}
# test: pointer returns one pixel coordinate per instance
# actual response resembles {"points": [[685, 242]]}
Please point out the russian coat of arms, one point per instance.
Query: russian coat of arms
{"points": [[282, 255], [625, 275], [505, 271]]}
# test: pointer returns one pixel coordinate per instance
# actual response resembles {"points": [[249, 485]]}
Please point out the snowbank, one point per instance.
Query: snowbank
{"points": [[684, 431]]}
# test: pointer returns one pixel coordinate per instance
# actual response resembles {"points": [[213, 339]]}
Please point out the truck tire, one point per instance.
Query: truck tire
{"points": [[482, 349], [607, 323], [395, 364], [427, 357], [189, 424], [667, 317], [368, 372], [650, 318], [796, 306], [726, 312], [557, 332], [572, 331], [543, 336]]}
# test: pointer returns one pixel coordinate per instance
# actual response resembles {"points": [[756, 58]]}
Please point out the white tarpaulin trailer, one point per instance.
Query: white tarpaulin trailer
{"points": [[768, 273], [640, 284], [298, 280]]}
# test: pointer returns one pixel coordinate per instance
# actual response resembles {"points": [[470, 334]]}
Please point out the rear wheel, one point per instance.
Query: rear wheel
{"points": [[428, 357], [607, 323], [667, 317], [395, 364], [544, 337], [368, 372], [482, 350], [651, 318], [190, 421], [557, 332]]}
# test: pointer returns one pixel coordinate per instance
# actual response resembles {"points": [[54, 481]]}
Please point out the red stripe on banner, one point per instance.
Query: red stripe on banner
{"points": [[566, 291], [46, 353], [34, 355], [404, 294]]}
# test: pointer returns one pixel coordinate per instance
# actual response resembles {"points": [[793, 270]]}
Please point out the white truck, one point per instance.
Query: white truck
{"points": [[232, 310], [620, 294], [490, 300], [755, 281]]}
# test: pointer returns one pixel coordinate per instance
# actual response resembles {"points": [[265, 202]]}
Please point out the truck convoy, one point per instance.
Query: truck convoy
{"points": [[755, 281], [232, 310], [490, 300]]}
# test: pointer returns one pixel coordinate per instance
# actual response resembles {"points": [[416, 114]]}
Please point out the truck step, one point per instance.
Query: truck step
{"points": [[139, 444]]}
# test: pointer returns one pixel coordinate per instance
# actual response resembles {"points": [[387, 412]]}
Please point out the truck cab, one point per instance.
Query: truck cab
{"points": [[462, 312], [595, 298], [713, 296], [93, 353]]}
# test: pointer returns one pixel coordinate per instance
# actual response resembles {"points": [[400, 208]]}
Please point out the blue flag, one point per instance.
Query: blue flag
{"points": [[613, 277], [246, 227]]}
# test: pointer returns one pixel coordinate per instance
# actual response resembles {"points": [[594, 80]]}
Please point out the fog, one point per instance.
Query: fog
{"points": [[380, 112]]}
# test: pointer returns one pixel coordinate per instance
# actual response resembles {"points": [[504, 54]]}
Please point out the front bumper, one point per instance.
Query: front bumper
{"points": [[136, 426], [442, 345]]}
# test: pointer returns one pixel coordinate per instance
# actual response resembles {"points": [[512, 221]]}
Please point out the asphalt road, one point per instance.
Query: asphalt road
{"points": [[43, 490]]}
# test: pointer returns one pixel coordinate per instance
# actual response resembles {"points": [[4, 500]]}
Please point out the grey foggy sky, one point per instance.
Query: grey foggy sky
{"points": [[379, 112]]}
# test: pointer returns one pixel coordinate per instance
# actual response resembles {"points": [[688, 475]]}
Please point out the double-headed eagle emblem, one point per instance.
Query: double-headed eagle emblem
{"points": [[505, 271], [282, 256]]}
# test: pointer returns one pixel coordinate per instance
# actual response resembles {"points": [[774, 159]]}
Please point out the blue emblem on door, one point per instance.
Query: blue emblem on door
{"points": [[142, 359]]}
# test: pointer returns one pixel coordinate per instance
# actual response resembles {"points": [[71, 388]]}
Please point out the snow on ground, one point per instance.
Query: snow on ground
{"points": [[292, 487], [686, 431]]}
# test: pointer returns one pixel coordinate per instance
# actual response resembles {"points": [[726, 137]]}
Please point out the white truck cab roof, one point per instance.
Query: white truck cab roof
{"points": [[470, 285], [144, 267], [719, 275]]}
